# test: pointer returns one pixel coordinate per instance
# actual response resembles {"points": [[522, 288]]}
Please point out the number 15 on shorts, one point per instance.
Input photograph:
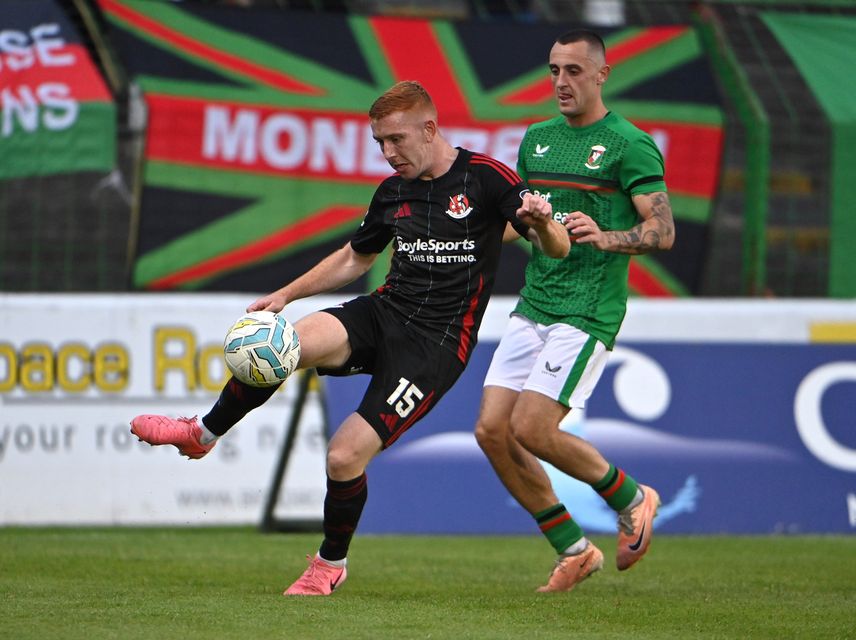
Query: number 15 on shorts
{"points": [[404, 398]]}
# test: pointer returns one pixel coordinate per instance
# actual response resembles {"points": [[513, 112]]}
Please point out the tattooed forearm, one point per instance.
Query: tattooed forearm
{"points": [[636, 240], [655, 232]]}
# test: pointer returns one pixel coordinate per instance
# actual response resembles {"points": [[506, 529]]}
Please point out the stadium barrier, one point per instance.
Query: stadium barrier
{"points": [[738, 411]]}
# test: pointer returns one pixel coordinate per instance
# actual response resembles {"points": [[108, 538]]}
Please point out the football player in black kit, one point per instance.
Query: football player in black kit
{"points": [[445, 211]]}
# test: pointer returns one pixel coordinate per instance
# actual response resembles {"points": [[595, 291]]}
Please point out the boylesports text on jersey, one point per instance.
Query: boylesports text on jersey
{"points": [[437, 251]]}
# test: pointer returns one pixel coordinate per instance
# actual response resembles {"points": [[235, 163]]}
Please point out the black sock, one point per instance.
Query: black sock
{"points": [[343, 507], [236, 400]]}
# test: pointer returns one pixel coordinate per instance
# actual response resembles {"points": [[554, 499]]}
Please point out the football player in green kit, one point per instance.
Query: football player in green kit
{"points": [[604, 180]]}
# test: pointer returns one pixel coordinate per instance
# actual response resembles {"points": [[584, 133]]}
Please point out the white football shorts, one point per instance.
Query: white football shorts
{"points": [[556, 360]]}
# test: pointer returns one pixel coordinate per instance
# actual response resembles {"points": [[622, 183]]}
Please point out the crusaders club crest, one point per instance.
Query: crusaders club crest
{"points": [[459, 206], [595, 156]]}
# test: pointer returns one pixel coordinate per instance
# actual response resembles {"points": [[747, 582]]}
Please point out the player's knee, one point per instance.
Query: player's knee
{"points": [[343, 463], [323, 341], [528, 433], [489, 435]]}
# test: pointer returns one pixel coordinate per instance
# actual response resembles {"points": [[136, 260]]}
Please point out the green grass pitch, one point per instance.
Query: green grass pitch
{"points": [[217, 584]]}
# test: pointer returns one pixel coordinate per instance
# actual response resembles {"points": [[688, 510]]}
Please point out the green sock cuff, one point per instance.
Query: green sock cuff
{"points": [[617, 488], [607, 480], [549, 514], [558, 527]]}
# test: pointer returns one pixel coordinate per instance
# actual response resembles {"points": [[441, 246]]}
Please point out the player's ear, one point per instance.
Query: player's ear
{"points": [[603, 74], [430, 130]]}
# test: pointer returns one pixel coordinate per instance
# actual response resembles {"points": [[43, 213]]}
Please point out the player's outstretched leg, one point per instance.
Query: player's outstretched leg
{"points": [[635, 528], [321, 578], [571, 570], [183, 433]]}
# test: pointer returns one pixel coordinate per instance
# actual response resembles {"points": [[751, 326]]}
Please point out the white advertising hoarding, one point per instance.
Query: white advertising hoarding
{"points": [[74, 370]]}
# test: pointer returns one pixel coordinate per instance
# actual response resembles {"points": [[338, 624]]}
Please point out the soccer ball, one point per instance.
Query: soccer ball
{"points": [[261, 349]]}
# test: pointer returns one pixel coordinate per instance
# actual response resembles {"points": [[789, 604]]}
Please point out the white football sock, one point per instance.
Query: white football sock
{"points": [[578, 547], [207, 437], [333, 563]]}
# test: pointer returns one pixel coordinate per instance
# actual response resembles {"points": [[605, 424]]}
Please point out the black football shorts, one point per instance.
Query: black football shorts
{"points": [[409, 372]]}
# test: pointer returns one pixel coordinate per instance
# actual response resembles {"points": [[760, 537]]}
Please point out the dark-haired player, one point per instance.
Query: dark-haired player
{"points": [[604, 178]]}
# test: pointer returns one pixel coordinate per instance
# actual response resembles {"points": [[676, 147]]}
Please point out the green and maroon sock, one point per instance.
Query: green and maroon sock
{"points": [[559, 527], [617, 488]]}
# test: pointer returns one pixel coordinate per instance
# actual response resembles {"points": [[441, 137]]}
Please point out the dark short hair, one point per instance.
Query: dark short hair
{"points": [[583, 35]]}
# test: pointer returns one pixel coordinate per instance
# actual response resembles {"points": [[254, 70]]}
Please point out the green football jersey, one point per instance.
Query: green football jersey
{"points": [[594, 169]]}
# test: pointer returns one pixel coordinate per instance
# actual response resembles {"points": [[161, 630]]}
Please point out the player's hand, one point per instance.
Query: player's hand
{"points": [[271, 302], [584, 230], [534, 211]]}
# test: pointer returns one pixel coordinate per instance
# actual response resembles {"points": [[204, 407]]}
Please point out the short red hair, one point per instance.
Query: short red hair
{"points": [[402, 96]]}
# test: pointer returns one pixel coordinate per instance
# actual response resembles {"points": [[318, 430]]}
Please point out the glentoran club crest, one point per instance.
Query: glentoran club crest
{"points": [[459, 206], [595, 156]]}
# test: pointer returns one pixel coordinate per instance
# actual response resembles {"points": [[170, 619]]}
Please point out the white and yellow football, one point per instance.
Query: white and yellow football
{"points": [[262, 349]]}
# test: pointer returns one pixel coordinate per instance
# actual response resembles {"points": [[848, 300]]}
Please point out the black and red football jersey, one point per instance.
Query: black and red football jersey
{"points": [[447, 237]]}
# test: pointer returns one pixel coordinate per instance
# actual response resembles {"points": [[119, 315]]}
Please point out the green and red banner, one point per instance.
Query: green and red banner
{"points": [[259, 158], [56, 114]]}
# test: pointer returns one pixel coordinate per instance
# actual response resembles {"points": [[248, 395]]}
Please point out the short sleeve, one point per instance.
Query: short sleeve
{"points": [[373, 234], [642, 170], [521, 155], [503, 189]]}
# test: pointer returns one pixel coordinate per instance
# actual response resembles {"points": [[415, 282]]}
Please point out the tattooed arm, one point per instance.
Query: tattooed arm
{"points": [[655, 232]]}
